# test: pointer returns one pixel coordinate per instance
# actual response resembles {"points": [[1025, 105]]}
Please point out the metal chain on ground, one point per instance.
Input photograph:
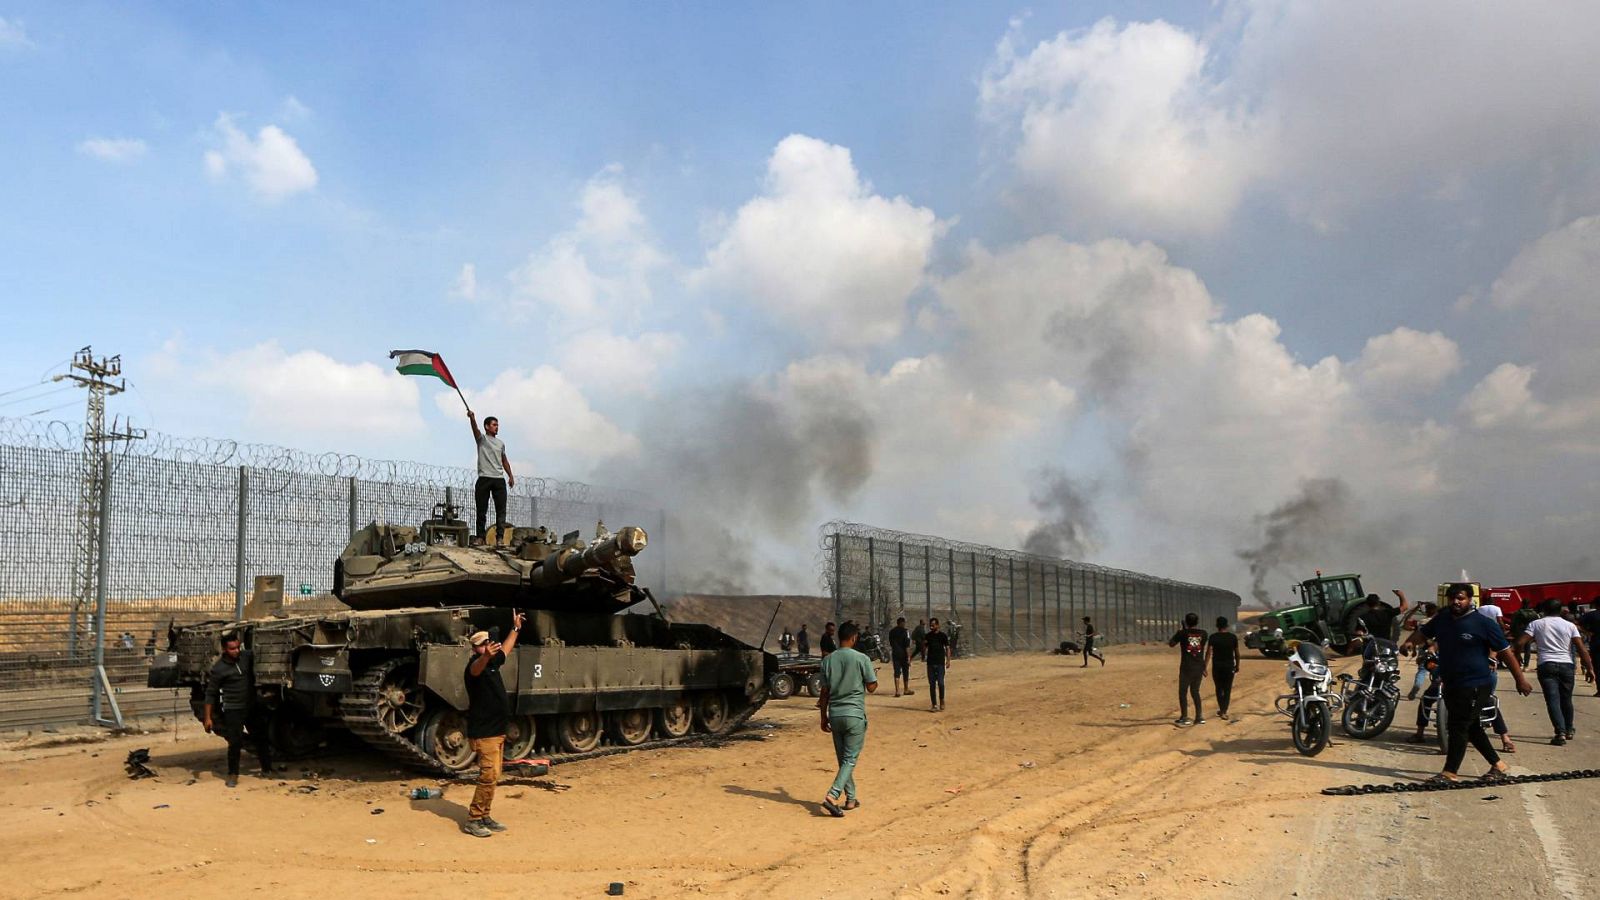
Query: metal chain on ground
{"points": [[1462, 784]]}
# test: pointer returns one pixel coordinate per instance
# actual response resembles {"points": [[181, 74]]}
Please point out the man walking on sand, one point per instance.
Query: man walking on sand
{"points": [[900, 655], [1558, 641], [488, 715], [1465, 641], [1222, 651], [917, 634], [1191, 643], [937, 655], [847, 679]]}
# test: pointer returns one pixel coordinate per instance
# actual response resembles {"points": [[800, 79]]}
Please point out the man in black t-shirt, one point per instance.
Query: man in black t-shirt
{"points": [[900, 654], [1191, 644], [917, 635], [1222, 649], [802, 641], [488, 714], [1589, 624], [830, 640], [936, 652], [1089, 634]]}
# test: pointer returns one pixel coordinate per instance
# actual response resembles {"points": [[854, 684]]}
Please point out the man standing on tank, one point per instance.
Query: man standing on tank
{"points": [[936, 653], [847, 679], [900, 655], [230, 692], [488, 715], [494, 472]]}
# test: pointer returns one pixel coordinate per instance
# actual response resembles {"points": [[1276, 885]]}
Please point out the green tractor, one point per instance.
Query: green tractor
{"points": [[1327, 614]]}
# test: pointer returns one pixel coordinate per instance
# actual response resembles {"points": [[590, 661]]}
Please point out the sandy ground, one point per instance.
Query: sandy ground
{"points": [[1042, 779]]}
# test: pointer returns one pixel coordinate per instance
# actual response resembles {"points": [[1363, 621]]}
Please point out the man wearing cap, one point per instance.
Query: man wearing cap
{"points": [[488, 714]]}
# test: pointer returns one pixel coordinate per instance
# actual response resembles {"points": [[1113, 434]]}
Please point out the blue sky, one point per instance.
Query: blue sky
{"points": [[1191, 256]]}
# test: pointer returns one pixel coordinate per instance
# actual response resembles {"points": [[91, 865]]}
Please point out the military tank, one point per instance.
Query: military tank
{"points": [[585, 678]]}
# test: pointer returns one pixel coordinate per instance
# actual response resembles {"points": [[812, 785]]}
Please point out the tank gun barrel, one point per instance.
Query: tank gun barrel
{"points": [[603, 554]]}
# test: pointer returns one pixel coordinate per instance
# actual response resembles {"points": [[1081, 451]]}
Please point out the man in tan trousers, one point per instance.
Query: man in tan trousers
{"points": [[488, 714]]}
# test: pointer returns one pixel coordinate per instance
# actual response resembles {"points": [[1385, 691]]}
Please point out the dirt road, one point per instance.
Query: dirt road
{"points": [[1042, 779]]}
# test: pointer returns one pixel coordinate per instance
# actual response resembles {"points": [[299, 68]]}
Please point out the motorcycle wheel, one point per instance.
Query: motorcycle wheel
{"points": [[1440, 722], [1367, 717], [1311, 727]]}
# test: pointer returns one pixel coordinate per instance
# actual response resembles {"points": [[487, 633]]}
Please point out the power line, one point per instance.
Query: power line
{"points": [[40, 412], [29, 398]]}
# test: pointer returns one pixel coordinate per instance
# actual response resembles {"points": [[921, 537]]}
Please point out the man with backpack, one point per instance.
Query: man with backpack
{"points": [[1191, 643]]}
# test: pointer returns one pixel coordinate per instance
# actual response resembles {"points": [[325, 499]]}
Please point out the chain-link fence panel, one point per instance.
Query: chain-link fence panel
{"points": [[186, 525], [1001, 600]]}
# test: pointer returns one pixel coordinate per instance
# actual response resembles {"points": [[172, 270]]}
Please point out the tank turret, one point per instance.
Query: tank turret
{"points": [[437, 564]]}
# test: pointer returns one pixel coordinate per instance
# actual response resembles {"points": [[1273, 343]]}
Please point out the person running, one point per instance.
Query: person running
{"points": [[1191, 643], [1557, 640], [1465, 640], [1222, 650], [936, 653], [1089, 635], [900, 656], [847, 679]]}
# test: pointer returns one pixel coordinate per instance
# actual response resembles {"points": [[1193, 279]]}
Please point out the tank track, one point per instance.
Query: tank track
{"points": [[359, 711]]}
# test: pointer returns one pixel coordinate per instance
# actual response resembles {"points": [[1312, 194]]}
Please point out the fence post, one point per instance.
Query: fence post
{"points": [[994, 602], [355, 497], [900, 573], [838, 575], [1011, 594], [102, 685], [927, 579], [239, 541], [973, 559], [872, 578]]}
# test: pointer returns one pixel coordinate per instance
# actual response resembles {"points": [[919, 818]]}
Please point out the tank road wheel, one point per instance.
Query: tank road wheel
{"points": [[293, 732], [675, 719], [578, 732], [780, 686], [444, 737], [629, 727], [521, 735], [711, 711], [400, 700], [814, 684]]}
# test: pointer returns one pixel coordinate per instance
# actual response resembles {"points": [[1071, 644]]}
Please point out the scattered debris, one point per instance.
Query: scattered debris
{"points": [[162, 806], [307, 788], [954, 790], [614, 889], [1492, 797], [378, 811], [1026, 764], [372, 840], [137, 764]]}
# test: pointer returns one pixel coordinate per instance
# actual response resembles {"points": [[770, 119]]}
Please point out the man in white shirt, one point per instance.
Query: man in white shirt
{"points": [[1557, 639], [494, 472]]}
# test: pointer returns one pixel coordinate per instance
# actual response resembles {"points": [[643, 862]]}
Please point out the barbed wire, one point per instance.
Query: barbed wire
{"points": [[285, 461]]}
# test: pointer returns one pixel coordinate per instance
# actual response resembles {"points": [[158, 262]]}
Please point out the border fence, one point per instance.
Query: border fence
{"points": [[1002, 600], [183, 526]]}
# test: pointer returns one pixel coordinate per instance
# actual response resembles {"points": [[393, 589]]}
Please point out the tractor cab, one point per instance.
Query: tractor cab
{"points": [[1330, 595]]}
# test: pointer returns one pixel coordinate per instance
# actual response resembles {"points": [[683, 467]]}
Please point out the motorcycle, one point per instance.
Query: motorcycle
{"points": [[1371, 700], [1310, 706]]}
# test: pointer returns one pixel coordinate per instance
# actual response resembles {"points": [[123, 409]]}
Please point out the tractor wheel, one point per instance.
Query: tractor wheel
{"points": [[814, 684]]}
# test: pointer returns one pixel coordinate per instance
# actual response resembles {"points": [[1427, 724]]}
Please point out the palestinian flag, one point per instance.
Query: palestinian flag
{"points": [[421, 362]]}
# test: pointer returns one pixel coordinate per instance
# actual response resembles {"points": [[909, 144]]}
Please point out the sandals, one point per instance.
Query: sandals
{"points": [[1493, 776], [832, 808], [1441, 778], [852, 803], [1417, 739]]}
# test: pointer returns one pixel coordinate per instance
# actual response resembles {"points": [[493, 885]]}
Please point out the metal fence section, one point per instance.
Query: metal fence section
{"points": [[186, 525], [1002, 600]]}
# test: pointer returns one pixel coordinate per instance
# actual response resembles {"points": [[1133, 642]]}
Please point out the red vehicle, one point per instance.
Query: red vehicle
{"points": [[1572, 594]]}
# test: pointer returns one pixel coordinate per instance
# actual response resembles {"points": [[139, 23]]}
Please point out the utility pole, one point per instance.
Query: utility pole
{"points": [[97, 376]]}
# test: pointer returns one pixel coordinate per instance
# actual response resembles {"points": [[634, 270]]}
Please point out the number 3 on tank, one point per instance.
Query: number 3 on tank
{"points": [[538, 670]]}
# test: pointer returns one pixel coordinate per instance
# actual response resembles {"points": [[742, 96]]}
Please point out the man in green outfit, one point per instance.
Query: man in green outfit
{"points": [[847, 679]]}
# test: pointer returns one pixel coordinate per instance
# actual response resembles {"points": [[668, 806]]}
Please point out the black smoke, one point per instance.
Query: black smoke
{"points": [[1302, 529], [1071, 530]]}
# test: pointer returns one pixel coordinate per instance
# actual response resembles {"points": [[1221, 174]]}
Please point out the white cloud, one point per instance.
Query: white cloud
{"points": [[1503, 398], [1146, 127], [1556, 273], [12, 35], [820, 253], [1407, 361], [271, 163], [113, 150], [292, 110], [1122, 125], [618, 364], [466, 286], [601, 267], [548, 423]]}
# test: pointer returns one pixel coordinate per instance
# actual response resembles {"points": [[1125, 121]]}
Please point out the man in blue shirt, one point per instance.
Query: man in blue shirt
{"points": [[1465, 641]]}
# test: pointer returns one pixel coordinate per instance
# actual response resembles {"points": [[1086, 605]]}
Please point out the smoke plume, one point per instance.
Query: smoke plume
{"points": [[1297, 530], [1070, 531]]}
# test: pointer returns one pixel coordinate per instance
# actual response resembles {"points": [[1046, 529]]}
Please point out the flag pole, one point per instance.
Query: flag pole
{"points": [[463, 398]]}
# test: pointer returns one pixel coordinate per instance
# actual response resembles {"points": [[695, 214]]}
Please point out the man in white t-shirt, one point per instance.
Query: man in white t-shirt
{"points": [[494, 472], [1557, 640]]}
